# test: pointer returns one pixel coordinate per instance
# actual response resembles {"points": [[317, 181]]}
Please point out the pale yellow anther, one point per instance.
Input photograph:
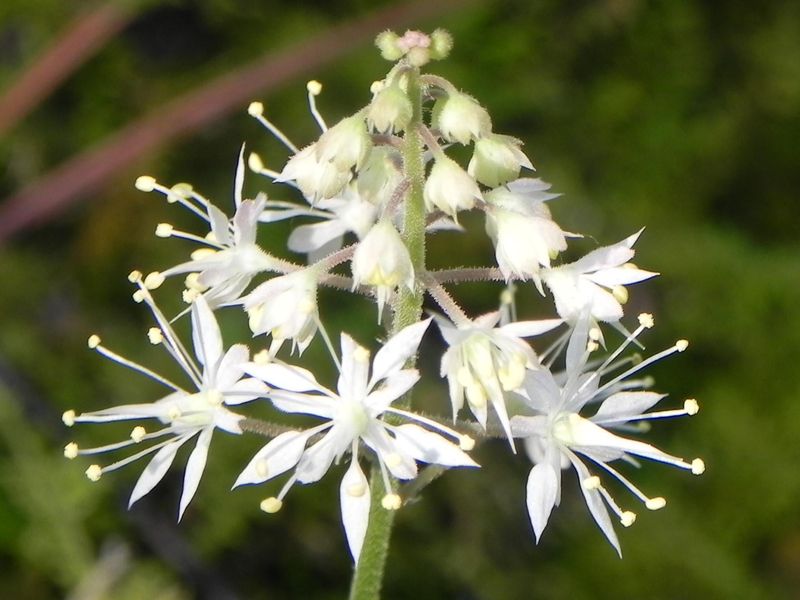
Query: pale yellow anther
{"points": [[646, 320], [153, 280], [189, 296], [506, 297], [314, 87], [255, 109], [466, 443], [138, 433], [155, 335], [262, 468], [691, 406], [361, 355], [595, 334], [356, 490], [202, 253], [255, 163], [393, 460], [179, 191], [376, 86], [682, 345], [591, 483], [192, 282], [145, 183], [211, 237], [164, 230], [93, 341], [656, 503], [138, 296], [271, 505], [71, 450], [94, 472], [620, 293], [391, 502], [552, 253], [135, 276], [262, 357], [698, 466], [627, 518], [69, 418], [592, 346], [174, 413]]}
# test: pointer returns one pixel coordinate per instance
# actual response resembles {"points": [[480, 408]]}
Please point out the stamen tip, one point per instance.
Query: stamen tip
{"points": [[698, 466], [155, 336], [656, 503], [153, 280], [94, 472], [145, 183], [591, 483], [93, 341], [627, 518], [314, 87], [68, 418], [682, 345], [391, 502], [646, 320], [255, 163], [691, 406], [71, 450], [135, 276], [466, 443], [592, 346], [620, 293], [271, 505], [164, 230], [255, 109], [138, 296], [138, 433]]}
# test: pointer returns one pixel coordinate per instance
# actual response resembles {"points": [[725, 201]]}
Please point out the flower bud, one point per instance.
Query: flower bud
{"points": [[316, 179], [390, 110], [449, 188], [497, 160], [460, 118], [346, 144], [379, 176], [441, 44], [387, 44]]}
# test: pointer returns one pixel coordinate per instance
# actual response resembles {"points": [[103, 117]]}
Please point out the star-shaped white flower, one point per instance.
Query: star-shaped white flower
{"points": [[353, 414], [224, 267], [595, 284], [558, 435], [219, 381], [483, 361]]}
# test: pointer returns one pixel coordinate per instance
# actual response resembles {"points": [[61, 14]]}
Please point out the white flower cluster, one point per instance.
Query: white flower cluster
{"points": [[374, 185]]}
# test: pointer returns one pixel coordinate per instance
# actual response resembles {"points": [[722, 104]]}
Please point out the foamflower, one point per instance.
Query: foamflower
{"points": [[219, 383], [354, 421], [558, 435]]}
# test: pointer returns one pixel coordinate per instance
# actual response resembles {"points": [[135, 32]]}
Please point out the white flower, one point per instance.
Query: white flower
{"points": [[524, 234], [390, 110], [379, 177], [484, 361], [286, 308], [352, 414], [558, 435], [346, 144], [316, 178], [497, 159], [381, 259], [219, 381], [594, 285], [230, 257], [460, 118], [449, 188]]}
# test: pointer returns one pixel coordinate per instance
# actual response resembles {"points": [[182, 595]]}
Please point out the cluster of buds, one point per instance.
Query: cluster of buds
{"points": [[373, 186]]}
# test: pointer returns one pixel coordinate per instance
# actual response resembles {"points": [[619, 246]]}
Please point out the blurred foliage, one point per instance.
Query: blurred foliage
{"points": [[682, 116]]}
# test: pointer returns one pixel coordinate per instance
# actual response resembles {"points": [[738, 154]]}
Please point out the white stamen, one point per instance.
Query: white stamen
{"points": [[391, 502], [698, 466], [155, 336], [164, 230], [138, 434], [68, 418], [255, 109], [682, 345], [646, 320], [145, 183], [94, 472], [271, 505], [691, 406], [71, 450], [93, 341]]}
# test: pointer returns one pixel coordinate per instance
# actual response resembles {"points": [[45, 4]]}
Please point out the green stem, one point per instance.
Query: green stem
{"points": [[407, 307]]}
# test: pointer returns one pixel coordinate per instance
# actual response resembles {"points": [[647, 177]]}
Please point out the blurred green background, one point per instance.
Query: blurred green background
{"points": [[681, 116]]}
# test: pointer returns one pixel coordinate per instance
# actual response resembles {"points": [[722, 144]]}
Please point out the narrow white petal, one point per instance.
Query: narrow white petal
{"points": [[156, 469], [394, 387], [397, 350], [285, 377], [594, 501], [245, 390], [238, 182], [245, 222], [354, 495], [620, 276], [608, 256], [307, 238], [399, 463], [230, 367], [430, 447], [355, 369], [576, 348], [542, 492], [316, 461], [530, 328], [206, 335], [527, 426], [194, 469], [278, 456], [219, 225], [626, 405], [297, 402]]}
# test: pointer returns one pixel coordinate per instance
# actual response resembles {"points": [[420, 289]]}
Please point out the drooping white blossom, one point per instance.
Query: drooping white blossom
{"points": [[316, 178], [484, 361], [497, 159], [354, 420], [595, 284], [460, 118], [218, 381], [558, 435], [449, 188]]}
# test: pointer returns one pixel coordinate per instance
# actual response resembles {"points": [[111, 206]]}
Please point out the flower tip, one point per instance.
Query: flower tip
{"points": [[627, 518], [691, 406], [145, 183], [391, 502], [255, 163], [681, 345], [93, 342], [71, 450], [655, 503], [68, 418], [271, 505], [646, 320], [698, 466], [466, 443], [255, 109], [314, 87], [94, 472]]}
